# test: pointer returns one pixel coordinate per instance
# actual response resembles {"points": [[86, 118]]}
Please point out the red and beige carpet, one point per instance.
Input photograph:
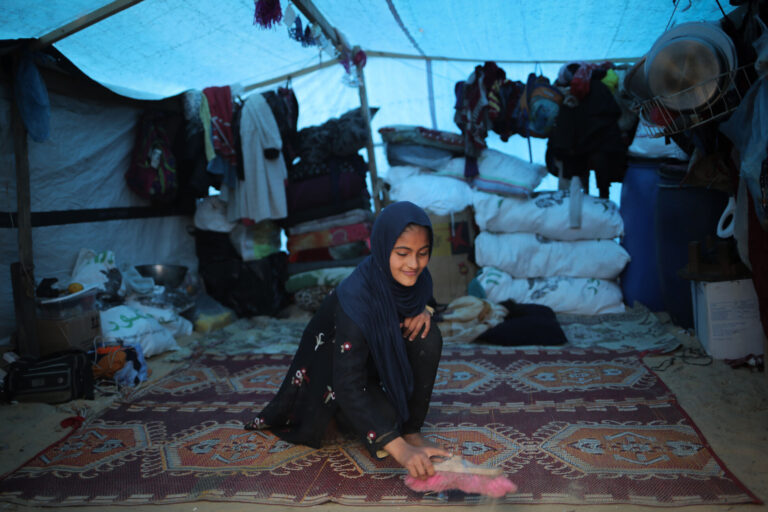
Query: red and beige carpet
{"points": [[569, 427]]}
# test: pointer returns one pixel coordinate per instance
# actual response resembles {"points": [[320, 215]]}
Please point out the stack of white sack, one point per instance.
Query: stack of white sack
{"points": [[528, 252]]}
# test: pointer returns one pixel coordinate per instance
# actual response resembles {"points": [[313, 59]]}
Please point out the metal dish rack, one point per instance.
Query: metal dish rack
{"points": [[662, 121]]}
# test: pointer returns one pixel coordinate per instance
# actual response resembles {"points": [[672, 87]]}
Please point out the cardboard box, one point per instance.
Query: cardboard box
{"points": [[57, 334], [726, 318], [452, 263]]}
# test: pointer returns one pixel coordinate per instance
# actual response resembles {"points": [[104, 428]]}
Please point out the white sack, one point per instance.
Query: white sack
{"points": [[499, 173], [437, 195], [575, 295], [129, 326], [174, 323], [398, 173], [547, 214], [530, 255]]}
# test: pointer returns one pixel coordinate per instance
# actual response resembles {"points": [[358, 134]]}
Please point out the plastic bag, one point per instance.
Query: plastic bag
{"points": [[135, 282], [746, 129], [91, 267]]}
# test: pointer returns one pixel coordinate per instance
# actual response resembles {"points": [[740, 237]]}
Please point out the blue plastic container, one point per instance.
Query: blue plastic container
{"points": [[640, 279], [683, 215]]}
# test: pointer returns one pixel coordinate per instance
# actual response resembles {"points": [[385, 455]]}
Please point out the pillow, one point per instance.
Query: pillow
{"points": [[435, 194], [499, 173]]}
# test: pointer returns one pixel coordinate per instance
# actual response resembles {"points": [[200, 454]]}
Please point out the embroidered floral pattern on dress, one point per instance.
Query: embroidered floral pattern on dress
{"points": [[256, 424], [371, 436], [319, 341], [329, 395], [300, 376], [346, 346]]}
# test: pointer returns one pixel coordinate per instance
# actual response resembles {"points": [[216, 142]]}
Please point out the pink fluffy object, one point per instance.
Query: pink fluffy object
{"points": [[457, 473]]}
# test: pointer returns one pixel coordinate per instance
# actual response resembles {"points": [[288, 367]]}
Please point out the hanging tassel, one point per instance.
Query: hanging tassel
{"points": [[267, 13]]}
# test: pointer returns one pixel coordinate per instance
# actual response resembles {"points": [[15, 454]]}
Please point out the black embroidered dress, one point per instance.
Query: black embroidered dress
{"points": [[334, 376]]}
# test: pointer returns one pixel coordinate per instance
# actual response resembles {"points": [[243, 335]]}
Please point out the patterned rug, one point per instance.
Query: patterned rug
{"points": [[638, 328], [569, 427]]}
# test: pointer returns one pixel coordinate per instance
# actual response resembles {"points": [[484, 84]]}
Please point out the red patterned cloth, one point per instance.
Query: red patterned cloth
{"points": [[220, 105], [330, 237]]}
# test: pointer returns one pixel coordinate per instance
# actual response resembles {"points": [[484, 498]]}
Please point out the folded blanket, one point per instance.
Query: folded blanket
{"points": [[330, 237], [342, 219], [339, 252], [324, 190]]}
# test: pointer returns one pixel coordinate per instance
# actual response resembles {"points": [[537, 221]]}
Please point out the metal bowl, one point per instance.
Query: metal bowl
{"points": [[170, 276]]}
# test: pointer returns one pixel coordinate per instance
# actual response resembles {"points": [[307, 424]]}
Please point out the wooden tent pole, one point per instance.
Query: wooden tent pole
{"points": [[82, 22], [308, 9], [283, 78], [22, 272], [375, 185]]}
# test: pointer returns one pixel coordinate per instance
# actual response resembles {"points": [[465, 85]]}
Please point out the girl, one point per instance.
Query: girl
{"points": [[368, 358]]}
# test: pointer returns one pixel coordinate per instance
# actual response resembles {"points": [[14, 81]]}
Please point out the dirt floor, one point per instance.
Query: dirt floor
{"points": [[729, 405]]}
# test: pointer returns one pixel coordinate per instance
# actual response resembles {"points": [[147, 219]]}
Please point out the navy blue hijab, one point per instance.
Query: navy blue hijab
{"points": [[377, 303]]}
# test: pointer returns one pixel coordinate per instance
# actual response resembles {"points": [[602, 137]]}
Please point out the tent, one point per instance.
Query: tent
{"points": [[154, 49]]}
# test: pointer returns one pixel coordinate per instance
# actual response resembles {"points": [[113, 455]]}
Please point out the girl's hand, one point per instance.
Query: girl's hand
{"points": [[415, 458], [412, 325]]}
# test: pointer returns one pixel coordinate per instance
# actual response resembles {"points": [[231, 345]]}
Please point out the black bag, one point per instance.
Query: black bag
{"points": [[249, 288], [53, 379]]}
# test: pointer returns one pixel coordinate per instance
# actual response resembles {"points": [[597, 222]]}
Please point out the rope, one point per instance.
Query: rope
{"points": [[400, 23]]}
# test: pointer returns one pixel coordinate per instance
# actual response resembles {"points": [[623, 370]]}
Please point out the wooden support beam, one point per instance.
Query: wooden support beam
{"points": [[375, 185], [406, 56], [22, 273], [283, 78], [83, 22], [308, 9]]}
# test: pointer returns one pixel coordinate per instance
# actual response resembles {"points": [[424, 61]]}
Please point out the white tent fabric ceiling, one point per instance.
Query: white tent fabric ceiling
{"points": [[159, 48]]}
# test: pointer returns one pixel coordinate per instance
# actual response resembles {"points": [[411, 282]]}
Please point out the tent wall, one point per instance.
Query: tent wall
{"points": [[81, 167]]}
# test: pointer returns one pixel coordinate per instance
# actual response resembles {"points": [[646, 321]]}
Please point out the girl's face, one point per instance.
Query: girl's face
{"points": [[410, 255]]}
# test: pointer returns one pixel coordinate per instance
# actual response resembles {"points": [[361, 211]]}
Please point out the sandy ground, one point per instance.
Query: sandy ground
{"points": [[730, 406]]}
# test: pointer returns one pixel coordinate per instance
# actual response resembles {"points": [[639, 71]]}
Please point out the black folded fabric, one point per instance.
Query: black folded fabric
{"points": [[526, 324]]}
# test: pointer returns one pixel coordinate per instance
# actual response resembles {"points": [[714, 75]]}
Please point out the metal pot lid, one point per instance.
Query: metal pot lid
{"points": [[706, 30], [684, 72]]}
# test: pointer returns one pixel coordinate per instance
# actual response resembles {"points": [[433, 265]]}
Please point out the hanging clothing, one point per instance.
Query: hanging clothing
{"points": [[261, 195], [205, 121], [32, 99], [220, 105], [587, 137], [353, 363]]}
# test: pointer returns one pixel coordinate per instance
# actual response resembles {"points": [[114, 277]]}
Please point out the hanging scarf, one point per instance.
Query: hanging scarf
{"points": [[377, 303]]}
